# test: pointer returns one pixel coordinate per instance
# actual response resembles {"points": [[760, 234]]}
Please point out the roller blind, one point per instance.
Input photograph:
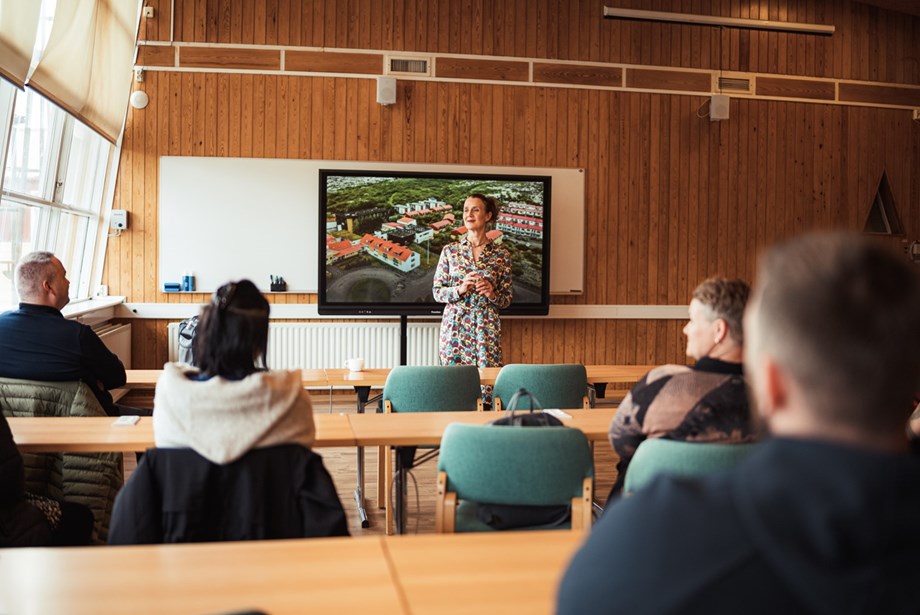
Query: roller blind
{"points": [[18, 29], [86, 65]]}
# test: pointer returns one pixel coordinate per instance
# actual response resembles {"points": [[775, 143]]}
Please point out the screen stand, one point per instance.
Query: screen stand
{"points": [[403, 338]]}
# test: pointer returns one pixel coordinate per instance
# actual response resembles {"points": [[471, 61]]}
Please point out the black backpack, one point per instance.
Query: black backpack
{"points": [[187, 329], [511, 516]]}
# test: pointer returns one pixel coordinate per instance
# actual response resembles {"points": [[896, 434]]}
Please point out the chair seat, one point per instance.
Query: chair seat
{"points": [[467, 520]]}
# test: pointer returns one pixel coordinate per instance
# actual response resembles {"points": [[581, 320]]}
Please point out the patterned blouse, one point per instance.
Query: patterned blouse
{"points": [[470, 326]]}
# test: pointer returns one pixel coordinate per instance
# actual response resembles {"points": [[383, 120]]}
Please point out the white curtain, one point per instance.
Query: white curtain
{"points": [[18, 29], [86, 66]]}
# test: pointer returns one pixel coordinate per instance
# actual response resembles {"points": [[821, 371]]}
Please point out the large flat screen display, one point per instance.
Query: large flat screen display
{"points": [[381, 234]]}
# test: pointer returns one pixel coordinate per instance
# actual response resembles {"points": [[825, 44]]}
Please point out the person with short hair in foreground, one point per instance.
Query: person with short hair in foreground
{"points": [[232, 458], [822, 518], [704, 403]]}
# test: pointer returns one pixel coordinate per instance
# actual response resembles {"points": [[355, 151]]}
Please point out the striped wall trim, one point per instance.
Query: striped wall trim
{"points": [[364, 63], [303, 311]]}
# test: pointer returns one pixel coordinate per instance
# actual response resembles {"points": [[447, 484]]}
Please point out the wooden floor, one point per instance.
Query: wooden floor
{"points": [[341, 463]]}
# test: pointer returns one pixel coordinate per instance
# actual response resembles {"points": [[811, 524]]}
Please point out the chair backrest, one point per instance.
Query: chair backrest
{"points": [[91, 479], [533, 466], [412, 388], [655, 457], [555, 386], [281, 491]]}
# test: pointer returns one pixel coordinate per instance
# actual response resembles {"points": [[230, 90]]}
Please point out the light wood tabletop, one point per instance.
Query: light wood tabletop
{"points": [[147, 378], [320, 575], [85, 434], [496, 572], [610, 374], [426, 428]]}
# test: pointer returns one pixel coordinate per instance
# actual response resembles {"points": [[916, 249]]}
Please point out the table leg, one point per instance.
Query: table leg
{"points": [[363, 393]]}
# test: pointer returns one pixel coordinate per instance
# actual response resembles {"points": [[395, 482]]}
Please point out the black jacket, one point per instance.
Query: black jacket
{"points": [[38, 343], [801, 526], [21, 524], [176, 495]]}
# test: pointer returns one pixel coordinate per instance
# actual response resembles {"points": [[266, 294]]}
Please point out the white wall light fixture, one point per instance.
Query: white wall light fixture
{"points": [[139, 99]]}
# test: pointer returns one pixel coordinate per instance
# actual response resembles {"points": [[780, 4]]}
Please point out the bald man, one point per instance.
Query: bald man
{"points": [[38, 343]]}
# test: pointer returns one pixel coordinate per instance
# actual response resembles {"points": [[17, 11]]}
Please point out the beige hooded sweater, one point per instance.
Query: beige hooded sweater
{"points": [[223, 419]]}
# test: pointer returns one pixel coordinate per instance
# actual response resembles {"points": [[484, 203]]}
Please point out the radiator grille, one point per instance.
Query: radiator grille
{"points": [[327, 345]]}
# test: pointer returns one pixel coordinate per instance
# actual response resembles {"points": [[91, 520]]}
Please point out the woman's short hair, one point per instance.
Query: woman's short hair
{"points": [[492, 206], [232, 335], [726, 299]]}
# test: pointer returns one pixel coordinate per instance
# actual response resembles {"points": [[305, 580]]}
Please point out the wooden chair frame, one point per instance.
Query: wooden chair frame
{"points": [[445, 512], [385, 473]]}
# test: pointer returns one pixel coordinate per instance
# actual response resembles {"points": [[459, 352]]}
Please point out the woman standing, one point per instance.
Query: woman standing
{"points": [[474, 280]]}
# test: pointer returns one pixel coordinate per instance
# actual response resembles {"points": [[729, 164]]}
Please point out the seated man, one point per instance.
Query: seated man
{"points": [[38, 343], [822, 518], [705, 403]]}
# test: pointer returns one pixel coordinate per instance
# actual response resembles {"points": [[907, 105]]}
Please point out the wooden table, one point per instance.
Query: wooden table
{"points": [[426, 428], [329, 575], [147, 378], [498, 572], [375, 378], [85, 434]]}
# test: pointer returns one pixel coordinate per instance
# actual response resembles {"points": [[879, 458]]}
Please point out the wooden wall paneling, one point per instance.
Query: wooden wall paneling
{"points": [[283, 129], [428, 128], [593, 220], [184, 118], [260, 13], [234, 115], [651, 185], [462, 106], [339, 125], [622, 200], [270, 143], [671, 124], [365, 92], [151, 197], [258, 116], [137, 197], [341, 22]]}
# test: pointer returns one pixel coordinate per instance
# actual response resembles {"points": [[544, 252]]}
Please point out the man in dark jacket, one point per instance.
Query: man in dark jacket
{"points": [[38, 343], [822, 518]]}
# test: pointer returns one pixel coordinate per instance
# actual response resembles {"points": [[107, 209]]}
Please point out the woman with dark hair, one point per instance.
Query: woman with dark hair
{"points": [[232, 458], [231, 403], [474, 279]]}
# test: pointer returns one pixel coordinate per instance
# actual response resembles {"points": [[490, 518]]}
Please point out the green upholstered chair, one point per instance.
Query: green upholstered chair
{"points": [[490, 464], [554, 386], [411, 388], [656, 456]]}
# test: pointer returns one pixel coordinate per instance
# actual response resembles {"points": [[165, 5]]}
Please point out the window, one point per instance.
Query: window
{"points": [[54, 175]]}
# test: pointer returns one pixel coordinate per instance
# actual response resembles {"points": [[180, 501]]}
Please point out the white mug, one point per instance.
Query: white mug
{"points": [[354, 365]]}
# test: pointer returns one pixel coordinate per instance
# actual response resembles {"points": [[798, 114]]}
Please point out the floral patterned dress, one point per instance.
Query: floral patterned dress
{"points": [[471, 327]]}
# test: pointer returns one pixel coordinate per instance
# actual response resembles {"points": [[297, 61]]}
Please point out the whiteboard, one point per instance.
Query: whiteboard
{"points": [[231, 218]]}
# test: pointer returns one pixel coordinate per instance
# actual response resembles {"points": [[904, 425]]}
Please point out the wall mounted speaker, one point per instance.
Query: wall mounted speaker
{"points": [[386, 90]]}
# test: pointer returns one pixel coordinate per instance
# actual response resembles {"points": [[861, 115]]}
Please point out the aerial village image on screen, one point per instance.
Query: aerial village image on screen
{"points": [[384, 234]]}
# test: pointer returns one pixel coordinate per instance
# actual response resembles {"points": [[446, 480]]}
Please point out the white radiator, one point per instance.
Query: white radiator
{"points": [[327, 345], [117, 338]]}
